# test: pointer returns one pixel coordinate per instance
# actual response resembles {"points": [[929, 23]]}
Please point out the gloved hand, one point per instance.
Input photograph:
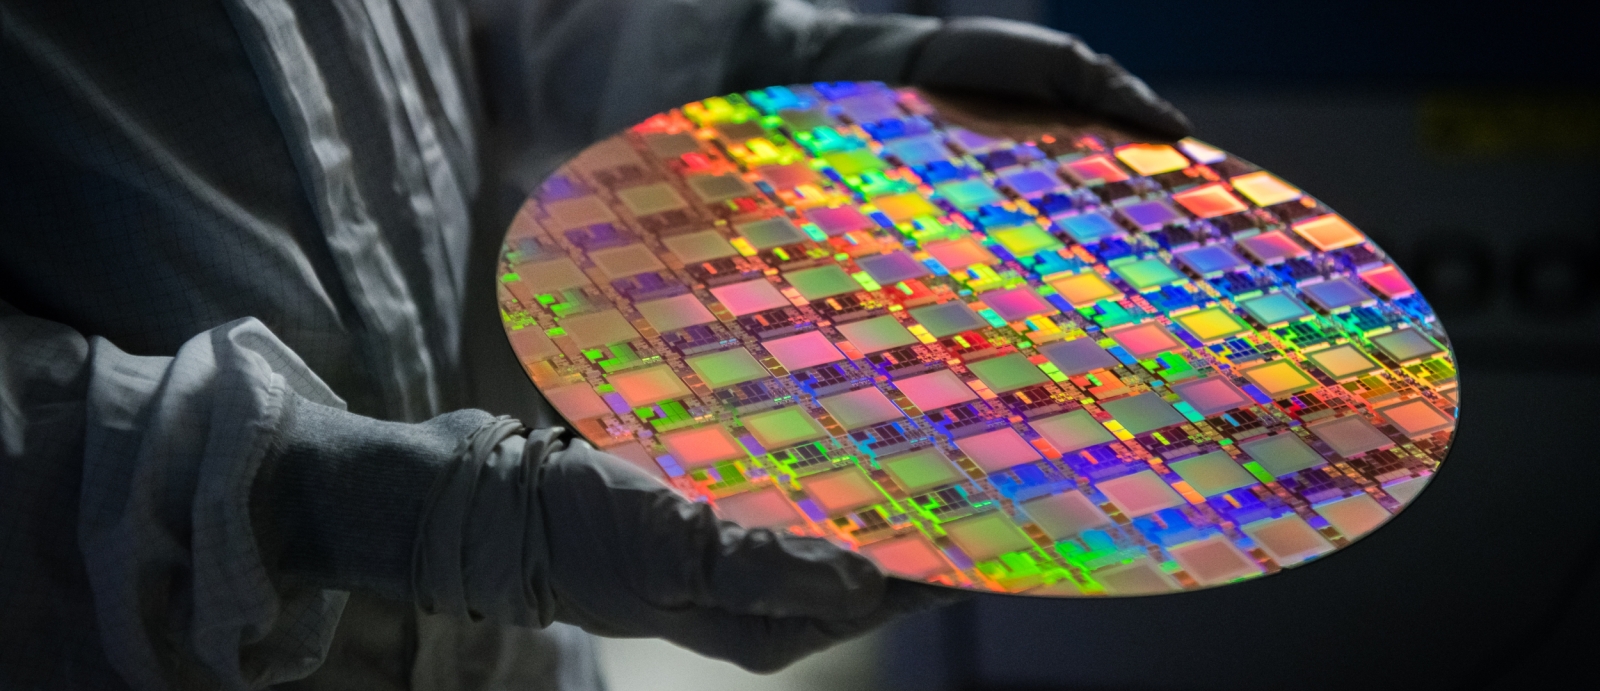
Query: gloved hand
{"points": [[1038, 64], [550, 527]]}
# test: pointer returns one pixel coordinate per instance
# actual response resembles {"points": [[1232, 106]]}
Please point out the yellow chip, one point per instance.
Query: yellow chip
{"points": [[1265, 189], [1152, 159], [1212, 324], [1279, 378], [1085, 289]]}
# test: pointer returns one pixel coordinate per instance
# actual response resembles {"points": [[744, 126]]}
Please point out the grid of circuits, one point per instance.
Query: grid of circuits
{"points": [[1066, 366]]}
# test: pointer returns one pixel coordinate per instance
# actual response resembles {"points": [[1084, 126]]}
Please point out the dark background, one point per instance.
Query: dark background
{"points": [[1464, 139]]}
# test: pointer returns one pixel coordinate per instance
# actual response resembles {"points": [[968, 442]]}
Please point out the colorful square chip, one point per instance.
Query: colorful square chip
{"points": [[783, 428], [1210, 201], [1143, 413], [855, 162], [1342, 361], [860, 408], [1212, 395], [1288, 539], [1031, 182], [1008, 372], [1212, 324], [838, 220], [921, 470], [1151, 159], [1337, 294], [1209, 261], [702, 446], [642, 387], [1274, 309], [576, 402], [629, 260], [1078, 356], [1212, 473], [1265, 189], [1272, 247], [956, 255], [969, 194], [719, 188], [821, 282], [937, 390], [1085, 289], [1073, 431], [577, 213], [1144, 341], [648, 200], [838, 492], [788, 176], [920, 150], [1090, 227], [904, 207], [1095, 170], [669, 146], [986, 536], [1145, 274], [674, 313], [809, 349], [891, 268], [1017, 304], [554, 276], [1389, 281], [599, 329], [1063, 515], [771, 232], [1141, 493], [699, 247], [1025, 240], [767, 508], [1405, 345], [1350, 435], [1282, 454], [1417, 418], [1142, 576], [749, 297], [1279, 378], [1353, 516], [998, 450], [1214, 561], [909, 556], [1329, 232], [726, 368], [875, 334], [1150, 215], [948, 318]]}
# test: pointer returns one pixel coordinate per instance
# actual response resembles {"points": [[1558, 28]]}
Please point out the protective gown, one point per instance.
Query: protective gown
{"points": [[213, 209]]}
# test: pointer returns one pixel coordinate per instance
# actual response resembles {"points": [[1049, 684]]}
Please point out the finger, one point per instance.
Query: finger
{"points": [[1096, 83]]}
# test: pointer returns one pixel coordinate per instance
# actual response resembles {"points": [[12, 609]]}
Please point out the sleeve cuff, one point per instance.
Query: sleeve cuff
{"points": [[339, 501]]}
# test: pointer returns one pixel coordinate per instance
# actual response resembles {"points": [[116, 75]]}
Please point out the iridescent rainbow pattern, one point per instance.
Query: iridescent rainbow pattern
{"points": [[1062, 367]]}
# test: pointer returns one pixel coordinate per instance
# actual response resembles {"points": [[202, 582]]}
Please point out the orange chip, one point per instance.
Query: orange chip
{"points": [[1329, 232], [1208, 201], [1085, 289], [1152, 159], [1265, 189]]}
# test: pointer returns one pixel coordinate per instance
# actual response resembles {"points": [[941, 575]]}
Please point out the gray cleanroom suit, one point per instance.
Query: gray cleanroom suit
{"points": [[244, 278]]}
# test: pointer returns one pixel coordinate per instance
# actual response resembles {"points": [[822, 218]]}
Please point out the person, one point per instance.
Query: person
{"points": [[242, 241]]}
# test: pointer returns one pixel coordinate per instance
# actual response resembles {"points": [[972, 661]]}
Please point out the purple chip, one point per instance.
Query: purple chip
{"points": [[1151, 215], [894, 267], [839, 220]]}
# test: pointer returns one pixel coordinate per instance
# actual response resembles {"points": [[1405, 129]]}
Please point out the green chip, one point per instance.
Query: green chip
{"points": [[1273, 309], [919, 471], [1147, 273], [1212, 474], [771, 232], [948, 318], [969, 194], [1406, 344], [783, 427], [1026, 241], [726, 368], [1282, 454], [1143, 413], [877, 333], [822, 282], [852, 163], [1008, 372], [986, 536]]}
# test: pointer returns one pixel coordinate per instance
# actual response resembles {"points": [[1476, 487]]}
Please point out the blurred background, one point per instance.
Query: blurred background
{"points": [[1464, 140]]}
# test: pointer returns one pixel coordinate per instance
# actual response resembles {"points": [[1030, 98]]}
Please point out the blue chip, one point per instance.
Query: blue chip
{"points": [[1210, 260], [1336, 294], [1090, 227]]}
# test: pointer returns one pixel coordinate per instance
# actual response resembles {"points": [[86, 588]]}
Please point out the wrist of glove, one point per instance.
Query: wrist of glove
{"points": [[531, 529]]}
